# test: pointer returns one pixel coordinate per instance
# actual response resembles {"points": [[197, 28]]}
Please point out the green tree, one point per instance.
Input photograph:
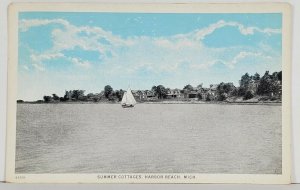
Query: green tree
{"points": [[241, 91], [265, 85], [274, 76], [119, 94], [68, 95], [245, 81], [225, 88], [234, 92], [161, 91], [280, 76], [208, 97], [188, 87], [275, 87], [222, 97], [248, 95], [154, 90], [47, 99], [77, 94], [256, 77], [276, 82], [108, 90], [55, 97]]}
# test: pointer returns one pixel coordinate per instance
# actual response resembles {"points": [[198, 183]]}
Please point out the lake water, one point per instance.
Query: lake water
{"points": [[149, 138]]}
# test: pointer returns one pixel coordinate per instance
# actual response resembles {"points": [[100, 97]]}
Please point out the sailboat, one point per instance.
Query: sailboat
{"points": [[128, 99]]}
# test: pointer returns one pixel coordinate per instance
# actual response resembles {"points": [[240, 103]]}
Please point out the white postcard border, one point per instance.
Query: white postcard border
{"points": [[283, 8]]}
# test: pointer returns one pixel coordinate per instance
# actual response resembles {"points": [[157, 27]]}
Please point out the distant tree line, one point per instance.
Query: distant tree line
{"points": [[79, 95], [268, 86]]}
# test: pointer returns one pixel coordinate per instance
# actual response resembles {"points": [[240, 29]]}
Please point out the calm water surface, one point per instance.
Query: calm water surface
{"points": [[160, 138]]}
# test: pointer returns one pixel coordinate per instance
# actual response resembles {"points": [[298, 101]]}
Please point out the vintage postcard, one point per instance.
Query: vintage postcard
{"points": [[149, 93]]}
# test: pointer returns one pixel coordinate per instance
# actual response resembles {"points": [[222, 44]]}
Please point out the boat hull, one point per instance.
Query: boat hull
{"points": [[127, 106]]}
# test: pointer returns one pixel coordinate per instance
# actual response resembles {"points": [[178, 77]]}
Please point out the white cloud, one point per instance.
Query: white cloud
{"points": [[206, 65], [79, 62], [26, 24], [38, 67], [253, 55], [45, 56], [238, 58], [202, 33], [154, 54], [38, 60], [242, 55]]}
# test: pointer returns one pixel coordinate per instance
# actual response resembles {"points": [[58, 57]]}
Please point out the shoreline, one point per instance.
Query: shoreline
{"points": [[275, 103], [220, 103]]}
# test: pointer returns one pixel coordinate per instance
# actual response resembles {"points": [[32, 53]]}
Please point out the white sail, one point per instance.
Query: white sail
{"points": [[128, 98], [123, 102]]}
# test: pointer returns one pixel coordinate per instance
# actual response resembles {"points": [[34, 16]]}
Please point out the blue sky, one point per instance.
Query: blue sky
{"points": [[64, 51]]}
